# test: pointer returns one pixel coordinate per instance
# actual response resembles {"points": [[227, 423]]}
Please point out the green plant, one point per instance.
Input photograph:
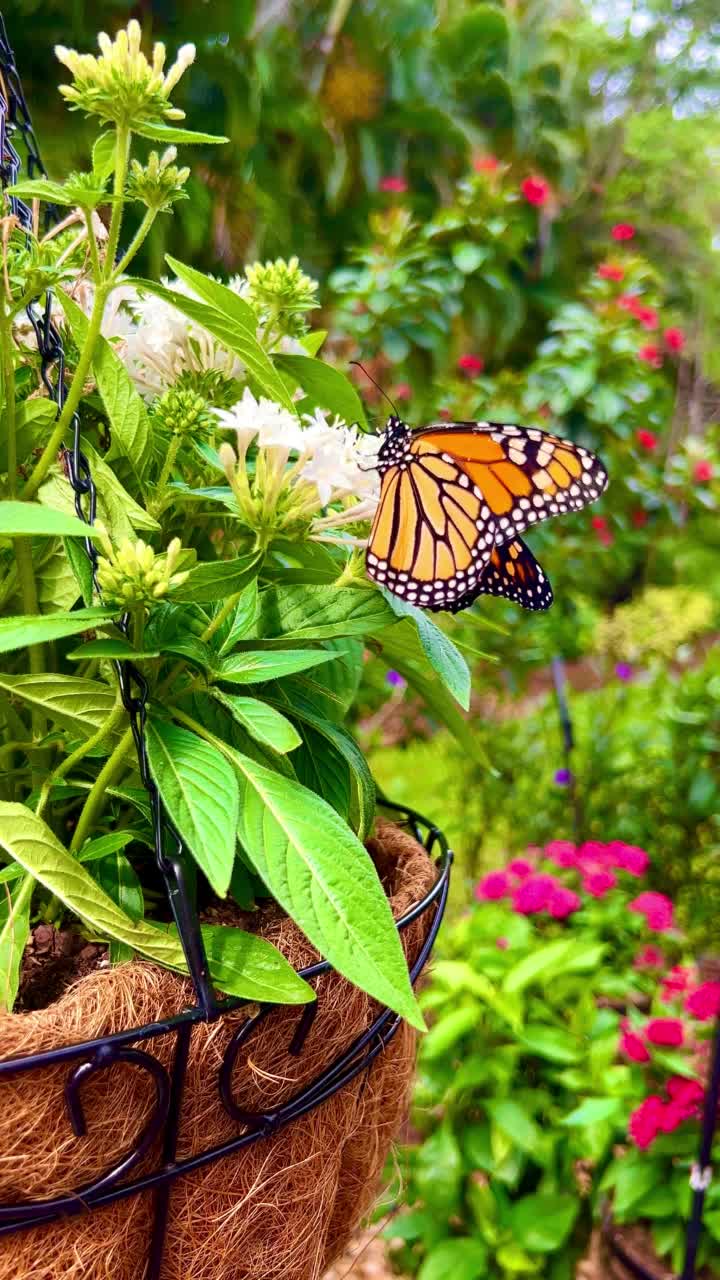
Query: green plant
{"points": [[235, 567]]}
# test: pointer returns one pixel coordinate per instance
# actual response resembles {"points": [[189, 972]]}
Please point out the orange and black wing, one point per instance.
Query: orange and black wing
{"points": [[433, 533], [524, 475], [514, 573]]}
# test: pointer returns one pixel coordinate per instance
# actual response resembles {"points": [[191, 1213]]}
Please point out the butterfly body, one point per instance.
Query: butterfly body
{"points": [[454, 499]]}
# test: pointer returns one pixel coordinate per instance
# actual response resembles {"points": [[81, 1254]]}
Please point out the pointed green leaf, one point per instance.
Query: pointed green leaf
{"points": [[78, 704], [29, 840], [326, 388], [262, 721], [233, 336], [439, 649], [170, 136], [101, 846], [200, 792], [243, 617], [318, 613], [24, 519], [217, 579], [14, 933], [115, 875], [103, 155], [255, 666], [110, 648], [243, 964], [26, 629], [216, 295], [42, 189]]}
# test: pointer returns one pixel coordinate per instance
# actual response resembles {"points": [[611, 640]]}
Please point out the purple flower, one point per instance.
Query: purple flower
{"points": [[623, 671], [395, 680], [563, 777]]}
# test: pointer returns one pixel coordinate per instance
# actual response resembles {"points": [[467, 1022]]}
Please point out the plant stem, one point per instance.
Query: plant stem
{"points": [[92, 241], [95, 740], [122, 155], [96, 798], [136, 242], [157, 504]]}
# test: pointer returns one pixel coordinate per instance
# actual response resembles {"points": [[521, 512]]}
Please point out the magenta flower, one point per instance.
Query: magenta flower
{"points": [[562, 778], [395, 680], [599, 883], [562, 852], [394, 184], [623, 671], [649, 958], [657, 909], [704, 1002], [534, 894], [521, 868], [646, 1121], [667, 1033], [563, 902], [493, 886], [633, 1046], [630, 858]]}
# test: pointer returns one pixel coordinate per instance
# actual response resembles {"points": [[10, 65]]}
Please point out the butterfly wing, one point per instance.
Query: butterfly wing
{"points": [[433, 534], [514, 573], [524, 475]]}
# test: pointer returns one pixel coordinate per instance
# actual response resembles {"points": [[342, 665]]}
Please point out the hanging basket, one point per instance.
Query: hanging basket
{"points": [[242, 1162]]}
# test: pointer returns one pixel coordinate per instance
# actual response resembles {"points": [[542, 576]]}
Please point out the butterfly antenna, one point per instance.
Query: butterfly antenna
{"points": [[377, 384]]}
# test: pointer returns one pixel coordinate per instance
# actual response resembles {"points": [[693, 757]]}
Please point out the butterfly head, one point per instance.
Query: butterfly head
{"points": [[394, 443]]}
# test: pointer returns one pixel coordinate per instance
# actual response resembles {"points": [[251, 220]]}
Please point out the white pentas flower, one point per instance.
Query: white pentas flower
{"points": [[310, 478], [163, 343]]}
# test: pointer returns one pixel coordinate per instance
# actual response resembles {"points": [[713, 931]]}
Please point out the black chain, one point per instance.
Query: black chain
{"points": [[15, 123]]}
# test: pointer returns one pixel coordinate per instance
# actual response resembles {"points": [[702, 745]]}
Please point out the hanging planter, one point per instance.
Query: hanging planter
{"points": [[265, 1195]]}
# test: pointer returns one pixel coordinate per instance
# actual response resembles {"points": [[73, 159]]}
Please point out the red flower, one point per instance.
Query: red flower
{"points": [[471, 365], [610, 271], [393, 183], [686, 1095], [647, 317], [704, 1002], [675, 983], [649, 958], [606, 537], [651, 355], [599, 883], [403, 391], [563, 902], [562, 853], [632, 1046], [667, 1032], [656, 908], [622, 231], [646, 439], [674, 339], [702, 472], [646, 1121], [535, 190], [521, 868], [630, 858], [495, 885], [639, 518], [598, 522], [629, 302], [486, 164], [534, 894]]}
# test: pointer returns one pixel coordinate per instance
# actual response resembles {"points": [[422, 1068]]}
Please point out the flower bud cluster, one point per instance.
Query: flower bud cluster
{"points": [[159, 183], [133, 575]]}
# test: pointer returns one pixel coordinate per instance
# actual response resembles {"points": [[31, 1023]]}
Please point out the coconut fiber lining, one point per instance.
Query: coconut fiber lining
{"points": [[283, 1208]]}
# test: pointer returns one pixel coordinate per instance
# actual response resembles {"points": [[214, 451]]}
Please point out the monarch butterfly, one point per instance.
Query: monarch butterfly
{"points": [[454, 498]]}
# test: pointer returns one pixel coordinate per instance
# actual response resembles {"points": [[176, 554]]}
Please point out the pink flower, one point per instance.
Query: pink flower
{"points": [[629, 302], [610, 271], [598, 522], [666, 1032], [702, 472], [675, 983], [686, 1095], [403, 391], [622, 231], [599, 883], [647, 317], [671, 1118], [704, 1002], [393, 183], [521, 868], [651, 355], [493, 886], [630, 858], [534, 894], [649, 958], [646, 1121], [563, 902], [674, 339], [535, 190], [486, 164], [502, 944], [633, 1047], [562, 853], [471, 365], [646, 439], [656, 908]]}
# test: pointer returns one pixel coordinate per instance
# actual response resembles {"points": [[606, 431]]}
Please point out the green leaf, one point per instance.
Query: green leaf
{"points": [[243, 618], [321, 613], [262, 721], [439, 1172], [255, 666], [200, 792], [169, 135], [243, 964], [326, 387], [216, 580], [319, 768], [123, 403], [33, 419], [542, 1223], [516, 1124], [216, 295], [42, 189], [233, 336], [28, 840], [635, 1177], [120, 649], [439, 650], [446, 1033], [115, 875], [101, 846], [78, 704], [26, 629], [322, 875], [592, 1111], [81, 568], [14, 933], [547, 962], [463, 1259], [119, 512], [103, 155], [23, 519], [553, 1043]]}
